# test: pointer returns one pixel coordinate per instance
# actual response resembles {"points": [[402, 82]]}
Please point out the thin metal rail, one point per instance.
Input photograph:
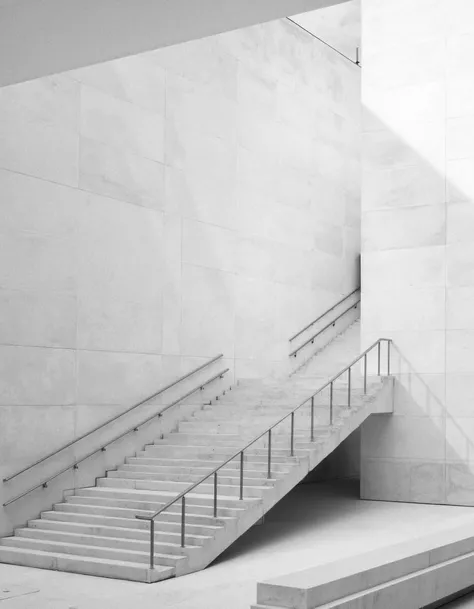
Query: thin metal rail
{"points": [[103, 448], [332, 323], [240, 453], [323, 315], [113, 419]]}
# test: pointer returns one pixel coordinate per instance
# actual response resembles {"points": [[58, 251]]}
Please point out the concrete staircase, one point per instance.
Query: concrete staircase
{"points": [[95, 530]]}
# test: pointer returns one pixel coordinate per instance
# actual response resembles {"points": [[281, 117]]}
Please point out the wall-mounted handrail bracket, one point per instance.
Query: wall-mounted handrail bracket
{"points": [[116, 438]]}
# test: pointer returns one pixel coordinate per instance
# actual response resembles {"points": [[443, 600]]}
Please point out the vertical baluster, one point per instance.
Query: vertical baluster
{"points": [[215, 495], [312, 418], [378, 358], [388, 357], [365, 373], [269, 471], [292, 434], [241, 475], [348, 387], [330, 403], [152, 544], [183, 520]]}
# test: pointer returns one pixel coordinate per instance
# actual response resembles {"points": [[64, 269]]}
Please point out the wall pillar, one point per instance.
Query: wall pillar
{"points": [[418, 244]]}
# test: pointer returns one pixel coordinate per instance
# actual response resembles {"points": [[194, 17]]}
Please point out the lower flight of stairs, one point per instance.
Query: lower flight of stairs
{"points": [[94, 530]]}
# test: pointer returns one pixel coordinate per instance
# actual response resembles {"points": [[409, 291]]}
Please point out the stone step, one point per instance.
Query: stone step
{"points": [[29, 555], [187, 479], [153, 501], [122, 532], [163, 496], [178, 464], [179, 472], [163, 519], [219, 458], [66, 534], [167, 555], [207, 452], [129, 523], [225, 490]]}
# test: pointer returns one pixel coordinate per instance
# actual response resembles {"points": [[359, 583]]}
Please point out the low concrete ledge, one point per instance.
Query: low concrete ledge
{"points": [[413, 575]]}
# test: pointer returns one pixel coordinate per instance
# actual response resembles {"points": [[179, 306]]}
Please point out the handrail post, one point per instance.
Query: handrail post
{"points": [[183, 520], [241, 475], [152, 543], [388, 357], [292, 433], [330, 403], [365, 374], [215, 494], [349, 387], [269, 469], [312, 418], [378, 358]]}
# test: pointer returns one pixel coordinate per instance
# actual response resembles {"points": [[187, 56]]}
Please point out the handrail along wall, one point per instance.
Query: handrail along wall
{"points": [[135, 428], [324, 314], [240, 452], [332, 323]]}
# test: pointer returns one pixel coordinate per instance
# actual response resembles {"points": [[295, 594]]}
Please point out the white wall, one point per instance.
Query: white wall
{"points": [[418, 244], [160, 209]]}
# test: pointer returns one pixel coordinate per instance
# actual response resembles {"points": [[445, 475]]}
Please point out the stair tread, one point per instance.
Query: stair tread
{"points": [[4, 543], [108, 527], [92, 559]]}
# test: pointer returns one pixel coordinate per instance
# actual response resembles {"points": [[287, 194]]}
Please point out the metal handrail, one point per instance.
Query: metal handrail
{"points": [[332, 323], [182, 495], [103, 448], [323, 315], [113, 419]]}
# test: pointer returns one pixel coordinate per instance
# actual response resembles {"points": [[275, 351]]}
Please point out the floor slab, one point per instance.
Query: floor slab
{"points": [[314, 524]]}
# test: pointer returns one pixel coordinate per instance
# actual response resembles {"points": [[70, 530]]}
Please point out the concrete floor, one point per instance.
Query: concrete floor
{"points": [[316, 523]]}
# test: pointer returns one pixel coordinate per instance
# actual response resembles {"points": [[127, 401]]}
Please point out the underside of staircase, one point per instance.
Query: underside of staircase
{"points": [[95, 530]]}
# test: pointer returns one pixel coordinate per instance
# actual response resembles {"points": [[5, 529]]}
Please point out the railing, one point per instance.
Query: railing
{"points": [[323, 315], [135, 428], [331, 323], [268, 432]]}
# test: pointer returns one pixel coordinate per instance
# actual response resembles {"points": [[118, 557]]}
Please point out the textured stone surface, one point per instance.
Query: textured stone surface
{"points": [[417, 243], [163, 208]]}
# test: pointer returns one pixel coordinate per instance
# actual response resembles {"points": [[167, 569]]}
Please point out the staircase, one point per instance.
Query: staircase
{"points": [[102, 530]]}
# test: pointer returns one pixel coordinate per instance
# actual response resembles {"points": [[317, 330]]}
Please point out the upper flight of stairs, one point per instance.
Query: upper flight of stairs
{"points": [[95, 530]]}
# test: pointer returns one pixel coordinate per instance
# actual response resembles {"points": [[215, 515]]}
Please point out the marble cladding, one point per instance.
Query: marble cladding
{"points": [[160, 209], [418, 245]]}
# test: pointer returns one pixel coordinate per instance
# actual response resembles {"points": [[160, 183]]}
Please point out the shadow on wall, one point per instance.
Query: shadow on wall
{"points": [[418, 289]]}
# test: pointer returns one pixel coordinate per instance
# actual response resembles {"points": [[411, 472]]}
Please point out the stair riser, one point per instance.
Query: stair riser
{"points": [[132, 535], [203, 460], [172, 512], [224, 472], [157, 497], [49, 545], [163, 519], [128, 523], [31, 557], [141, 545], [185, 479], [204, 452], [255, 464], [204, 489]]}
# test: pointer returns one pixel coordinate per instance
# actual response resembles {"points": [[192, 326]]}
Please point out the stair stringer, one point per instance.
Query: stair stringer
{"points": [[379, 403]]}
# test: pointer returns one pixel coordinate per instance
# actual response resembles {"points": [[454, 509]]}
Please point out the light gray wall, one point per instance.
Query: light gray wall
{"points": [[163, 208], [418, 244], [43, 37]]}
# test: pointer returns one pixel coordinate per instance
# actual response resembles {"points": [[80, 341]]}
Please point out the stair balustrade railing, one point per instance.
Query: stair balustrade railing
{"points": [[268, 432], [294, 353], [134, 428]]}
